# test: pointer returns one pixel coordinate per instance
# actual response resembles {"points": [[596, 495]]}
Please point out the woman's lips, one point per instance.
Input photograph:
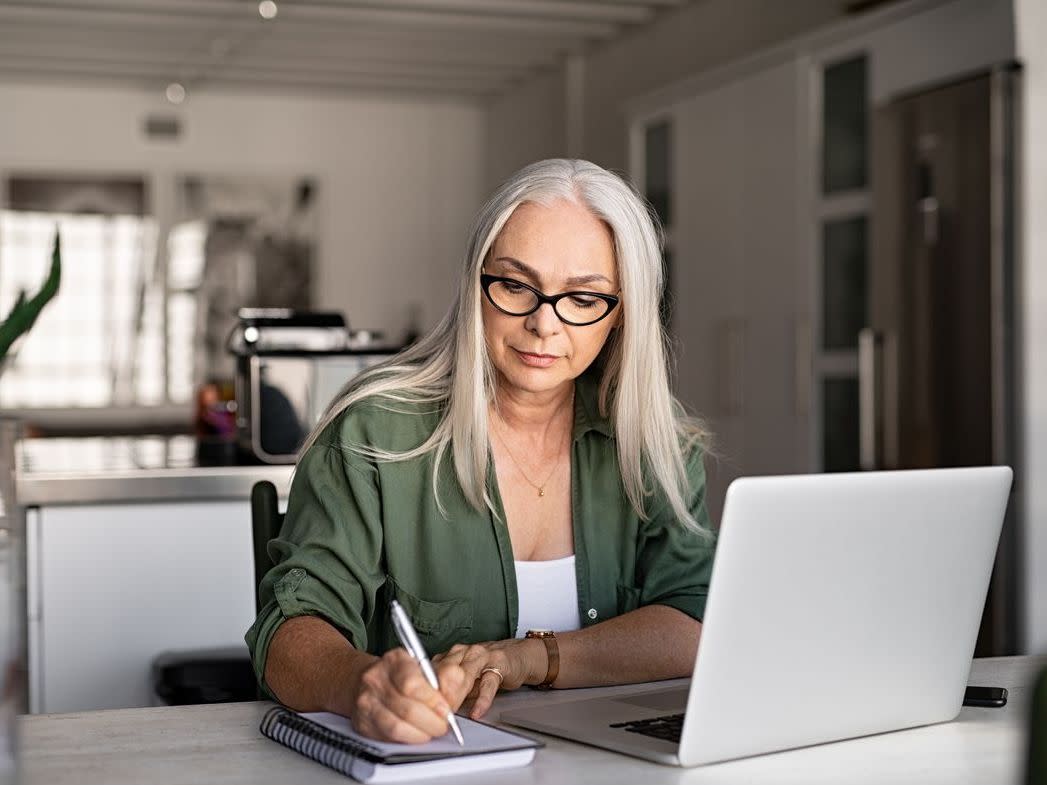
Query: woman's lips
{"points": [[536, 360]]}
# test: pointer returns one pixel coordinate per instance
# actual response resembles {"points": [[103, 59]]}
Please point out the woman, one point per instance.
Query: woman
{"points": [[523, 466]]}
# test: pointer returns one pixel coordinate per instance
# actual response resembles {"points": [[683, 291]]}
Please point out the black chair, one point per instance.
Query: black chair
{"points": [[223, 675], [266, 520]]}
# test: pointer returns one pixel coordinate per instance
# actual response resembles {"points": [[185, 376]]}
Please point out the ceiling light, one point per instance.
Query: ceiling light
{"points": [[175, 93], [267, 9]]}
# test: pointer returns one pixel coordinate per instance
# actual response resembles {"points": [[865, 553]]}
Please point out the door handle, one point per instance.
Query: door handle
{"points": [[927, 202], [870, 344], [929, 213], [730, 351]]}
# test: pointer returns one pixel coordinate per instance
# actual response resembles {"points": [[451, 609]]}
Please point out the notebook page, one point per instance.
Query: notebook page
{"points": [[477, 736]]}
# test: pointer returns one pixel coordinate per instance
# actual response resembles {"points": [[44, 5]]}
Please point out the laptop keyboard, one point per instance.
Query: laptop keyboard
{"points": [[667, 727]]}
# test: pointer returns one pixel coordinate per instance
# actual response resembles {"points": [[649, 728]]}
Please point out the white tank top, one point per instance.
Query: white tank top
{"points": [[548, 594]]}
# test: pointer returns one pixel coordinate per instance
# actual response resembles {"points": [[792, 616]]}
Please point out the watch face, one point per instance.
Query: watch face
{"points": [[540, 633]]}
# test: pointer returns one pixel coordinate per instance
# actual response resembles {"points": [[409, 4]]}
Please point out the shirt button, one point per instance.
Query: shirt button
{"points": [[592, 613]]}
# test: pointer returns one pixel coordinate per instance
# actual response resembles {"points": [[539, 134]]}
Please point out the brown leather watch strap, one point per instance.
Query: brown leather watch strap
{"points": [[552, 648]]}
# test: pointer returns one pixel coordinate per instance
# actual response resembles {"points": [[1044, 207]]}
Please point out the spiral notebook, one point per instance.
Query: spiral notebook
{"points": [[330, 739]]}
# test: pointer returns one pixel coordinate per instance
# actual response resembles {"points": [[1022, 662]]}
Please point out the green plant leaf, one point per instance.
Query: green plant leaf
{"points": [[25, 311]]}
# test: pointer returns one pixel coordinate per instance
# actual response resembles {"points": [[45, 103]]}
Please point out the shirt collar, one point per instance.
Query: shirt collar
{"points": [[587, 415]]}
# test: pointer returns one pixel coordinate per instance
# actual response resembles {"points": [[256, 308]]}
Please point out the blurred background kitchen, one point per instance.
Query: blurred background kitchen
{"points": [[257, 200]]}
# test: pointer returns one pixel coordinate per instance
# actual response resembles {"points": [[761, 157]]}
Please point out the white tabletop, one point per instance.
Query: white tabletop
{"points": [[221, 744]]}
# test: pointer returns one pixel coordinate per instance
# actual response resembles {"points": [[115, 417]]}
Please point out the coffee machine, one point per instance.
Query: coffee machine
{"points": [[290, 365]]}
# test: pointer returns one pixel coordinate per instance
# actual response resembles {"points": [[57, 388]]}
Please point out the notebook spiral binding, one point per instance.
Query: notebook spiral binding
{"points": [[314, 741]]}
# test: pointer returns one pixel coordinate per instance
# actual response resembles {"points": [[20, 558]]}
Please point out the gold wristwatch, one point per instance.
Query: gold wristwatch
{"points": [[548, 637]]}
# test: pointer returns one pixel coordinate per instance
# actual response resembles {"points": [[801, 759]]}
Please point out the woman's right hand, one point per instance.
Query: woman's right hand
{"points": [[392, 701]]}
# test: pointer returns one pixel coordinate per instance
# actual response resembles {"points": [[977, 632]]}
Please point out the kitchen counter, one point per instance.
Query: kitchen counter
{"points": [[132, 536], [147, 468]]}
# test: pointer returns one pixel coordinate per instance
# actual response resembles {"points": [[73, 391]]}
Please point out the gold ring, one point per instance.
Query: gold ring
{"points": [[495, 671]]}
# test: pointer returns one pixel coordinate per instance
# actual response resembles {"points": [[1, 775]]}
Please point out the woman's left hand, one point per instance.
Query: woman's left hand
{"points": [[489, 667]]}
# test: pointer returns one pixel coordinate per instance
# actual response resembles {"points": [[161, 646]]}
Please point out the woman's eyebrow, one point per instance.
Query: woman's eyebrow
{"points": [[531, 273]]}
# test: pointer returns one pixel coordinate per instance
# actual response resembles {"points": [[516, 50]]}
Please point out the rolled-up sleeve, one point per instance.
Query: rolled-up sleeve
{"points": [[327, 556], [674, 562]]}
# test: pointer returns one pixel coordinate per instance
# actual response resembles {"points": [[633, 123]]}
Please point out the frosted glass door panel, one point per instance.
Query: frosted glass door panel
{"points": [[845, 149]]}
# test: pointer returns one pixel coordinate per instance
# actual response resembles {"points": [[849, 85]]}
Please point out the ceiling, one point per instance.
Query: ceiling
{"points": [[471, 48]]}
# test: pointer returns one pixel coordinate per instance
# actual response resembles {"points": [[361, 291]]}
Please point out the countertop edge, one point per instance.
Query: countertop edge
{"points": [[189, 484]]}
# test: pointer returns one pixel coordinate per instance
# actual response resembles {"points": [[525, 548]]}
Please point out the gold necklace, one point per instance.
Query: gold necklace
{"points": [[519, 468]]}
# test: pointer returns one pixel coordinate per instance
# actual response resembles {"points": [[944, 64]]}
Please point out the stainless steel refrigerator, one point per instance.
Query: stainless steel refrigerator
{"points": [[937, 360]]}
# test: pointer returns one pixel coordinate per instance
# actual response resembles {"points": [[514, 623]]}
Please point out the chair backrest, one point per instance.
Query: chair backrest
{"points": [[266, 520]]}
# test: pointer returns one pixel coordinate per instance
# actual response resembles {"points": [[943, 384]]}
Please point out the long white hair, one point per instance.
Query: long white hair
{"points": [[450, 369]]}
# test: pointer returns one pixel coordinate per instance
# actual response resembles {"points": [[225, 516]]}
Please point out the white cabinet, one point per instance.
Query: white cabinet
{"points": [[110, 586], [741, 282]]}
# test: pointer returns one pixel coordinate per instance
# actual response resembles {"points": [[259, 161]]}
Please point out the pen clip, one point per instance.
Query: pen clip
{"points": [[404, 640], [405, 632]]}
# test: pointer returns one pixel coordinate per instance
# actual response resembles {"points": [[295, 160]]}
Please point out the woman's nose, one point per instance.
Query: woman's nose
{"points": [[544, 321]]}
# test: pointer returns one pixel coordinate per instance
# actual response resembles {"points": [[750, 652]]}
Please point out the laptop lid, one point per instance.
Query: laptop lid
{"points": [[841, 605]]}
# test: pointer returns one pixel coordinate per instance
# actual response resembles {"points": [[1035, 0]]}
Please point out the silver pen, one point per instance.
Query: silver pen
{"points": [[409, 638]]}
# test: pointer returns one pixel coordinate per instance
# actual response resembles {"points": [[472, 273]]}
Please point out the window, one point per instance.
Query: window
{"points": [[91, 345], [657, 186], [845, 147], [146, 300], [844, 249], [100, 342], [185, 270], [658, 169]]}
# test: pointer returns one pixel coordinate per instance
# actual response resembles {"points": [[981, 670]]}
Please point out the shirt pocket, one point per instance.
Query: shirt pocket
{"points": [[628, 598], [440, 625]]}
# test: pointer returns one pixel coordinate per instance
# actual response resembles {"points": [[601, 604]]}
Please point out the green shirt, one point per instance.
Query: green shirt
{"points": [[360, 532]]}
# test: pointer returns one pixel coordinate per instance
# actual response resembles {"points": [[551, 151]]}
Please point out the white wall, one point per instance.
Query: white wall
{"points": [[734, 270], [526, 124], [703, 34], [912, 46], [398, 180], [1032, 50], [529, 121], [940, 43]]}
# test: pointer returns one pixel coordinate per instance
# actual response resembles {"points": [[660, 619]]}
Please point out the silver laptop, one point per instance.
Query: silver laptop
{"points": [[841, 605]]}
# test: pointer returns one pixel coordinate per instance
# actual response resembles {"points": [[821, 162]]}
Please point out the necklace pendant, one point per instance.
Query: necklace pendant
{"points": [[541, 491]]}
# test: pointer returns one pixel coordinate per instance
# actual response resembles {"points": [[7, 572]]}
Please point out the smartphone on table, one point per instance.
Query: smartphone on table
{"points": [[988, 697]]}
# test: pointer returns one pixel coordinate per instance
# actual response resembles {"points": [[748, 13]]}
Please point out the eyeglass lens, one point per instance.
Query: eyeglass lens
{"points": [[520, 300]]}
